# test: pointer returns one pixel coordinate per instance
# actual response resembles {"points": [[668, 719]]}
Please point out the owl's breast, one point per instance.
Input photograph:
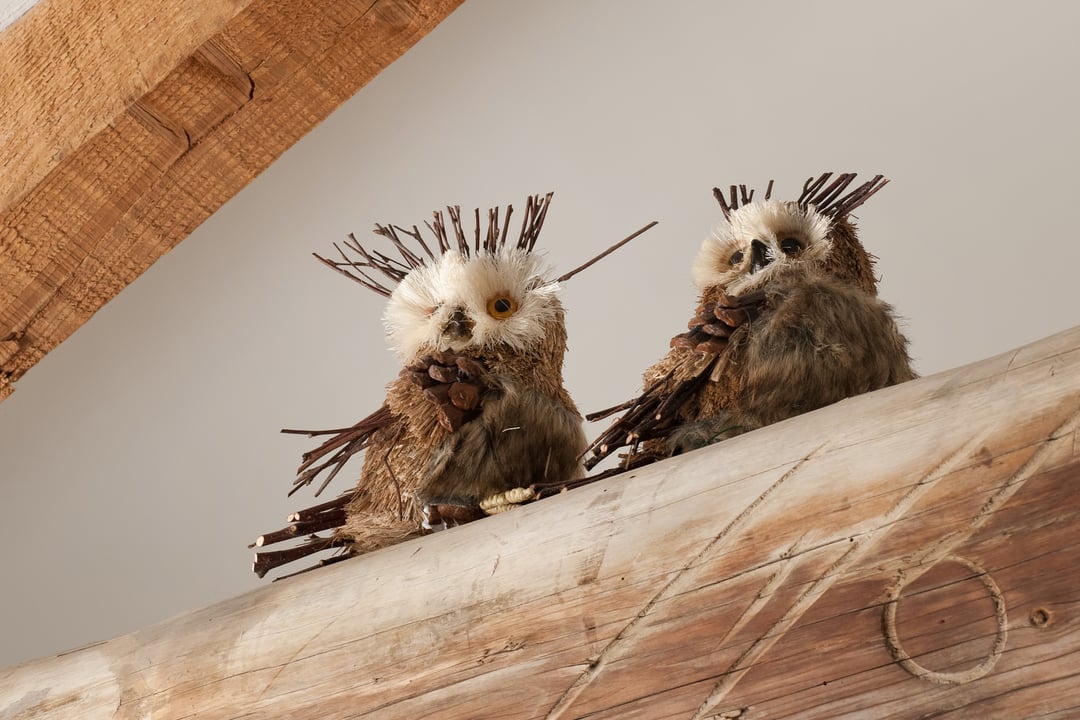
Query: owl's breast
{"points": [[521, 437]]}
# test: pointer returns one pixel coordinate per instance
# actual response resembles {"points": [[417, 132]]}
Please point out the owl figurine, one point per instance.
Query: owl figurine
{"points": [[788, 321], [478, 414]]}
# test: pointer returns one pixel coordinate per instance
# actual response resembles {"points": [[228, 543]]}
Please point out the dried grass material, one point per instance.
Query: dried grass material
{"points": [[435, 395], [676, 387], [358, 263]]}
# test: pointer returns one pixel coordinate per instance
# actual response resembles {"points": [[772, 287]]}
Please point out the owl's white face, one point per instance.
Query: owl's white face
{"points": [[761, 240], [485, 302]]}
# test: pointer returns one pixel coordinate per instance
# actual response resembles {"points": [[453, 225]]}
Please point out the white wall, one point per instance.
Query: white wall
{"points": [[141, 456], [12, 10]]}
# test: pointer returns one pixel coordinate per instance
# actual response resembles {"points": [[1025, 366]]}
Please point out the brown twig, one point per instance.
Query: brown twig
{"points": [[363, 278], [395, 270], [608, 412], [738, 196], [648, 416], [267, 561], [326, 521], [340, 448], [566, 276], [830, 202], [322, 563], [317, 510], [824, 196]]}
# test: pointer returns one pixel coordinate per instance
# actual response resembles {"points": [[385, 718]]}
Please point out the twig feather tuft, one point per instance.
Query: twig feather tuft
{"points": [[358, 262], [826, 198]]}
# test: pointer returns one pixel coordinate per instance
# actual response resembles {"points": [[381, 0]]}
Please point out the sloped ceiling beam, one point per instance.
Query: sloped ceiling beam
{"points": [[124, 125]]}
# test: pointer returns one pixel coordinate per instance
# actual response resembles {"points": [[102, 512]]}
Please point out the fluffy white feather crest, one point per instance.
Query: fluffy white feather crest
{"points": [[421, 306], [771, 222]]}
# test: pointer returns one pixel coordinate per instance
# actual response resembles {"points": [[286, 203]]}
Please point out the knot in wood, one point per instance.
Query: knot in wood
{"points": [[1040, 617], [9, 347]]}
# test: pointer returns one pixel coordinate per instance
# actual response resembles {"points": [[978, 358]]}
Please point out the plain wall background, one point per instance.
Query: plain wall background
{"points": [[140, 457], [12, 10]]}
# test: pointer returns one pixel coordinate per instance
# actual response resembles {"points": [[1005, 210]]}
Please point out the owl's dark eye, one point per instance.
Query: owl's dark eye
{"points": [[736, 258], [791, 246], [501, 306]]}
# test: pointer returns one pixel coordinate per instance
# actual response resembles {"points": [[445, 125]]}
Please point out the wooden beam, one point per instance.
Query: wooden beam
{"points": [[897, 554], [71, 67], [125, 125]]}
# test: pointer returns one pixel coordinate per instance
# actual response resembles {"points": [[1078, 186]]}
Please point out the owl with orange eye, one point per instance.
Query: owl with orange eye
{"points": [[477, 415]]}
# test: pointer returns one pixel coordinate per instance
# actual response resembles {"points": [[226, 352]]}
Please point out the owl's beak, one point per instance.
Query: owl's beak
{"points": [[759, 255], [459, 326]]}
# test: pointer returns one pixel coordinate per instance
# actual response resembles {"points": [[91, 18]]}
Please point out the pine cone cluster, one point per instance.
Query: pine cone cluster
{"points": [[713, 322], [453, 383]]}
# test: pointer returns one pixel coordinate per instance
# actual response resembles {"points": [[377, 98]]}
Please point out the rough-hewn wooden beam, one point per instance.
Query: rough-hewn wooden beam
{"points": [[70, 67], [148, 118], [900, 554]]}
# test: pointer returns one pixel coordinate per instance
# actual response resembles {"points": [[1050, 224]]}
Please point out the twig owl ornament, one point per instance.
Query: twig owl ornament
{"points": [[788, 321], [478, 413]]}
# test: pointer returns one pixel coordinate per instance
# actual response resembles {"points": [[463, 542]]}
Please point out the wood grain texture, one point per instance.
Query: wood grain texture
{"points": [[901, 554], [140, 156], [70, 66]]}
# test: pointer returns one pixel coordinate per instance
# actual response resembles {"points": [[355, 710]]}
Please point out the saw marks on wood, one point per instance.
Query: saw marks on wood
{"points": [[156, 158], [907, 553], [899, 560]]}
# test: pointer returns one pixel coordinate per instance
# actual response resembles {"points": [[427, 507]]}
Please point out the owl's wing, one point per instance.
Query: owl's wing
{"points": [[452, 383], [653, 413], [306, 522], [344, 443], [657, 411], [331, 455]]}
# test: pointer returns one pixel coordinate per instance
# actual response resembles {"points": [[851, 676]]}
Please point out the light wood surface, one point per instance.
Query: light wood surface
{"points": [[901, 554]]}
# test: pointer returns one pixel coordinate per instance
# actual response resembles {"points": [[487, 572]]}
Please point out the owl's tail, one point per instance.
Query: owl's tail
{"points": [[305, 524], [355, 532]]}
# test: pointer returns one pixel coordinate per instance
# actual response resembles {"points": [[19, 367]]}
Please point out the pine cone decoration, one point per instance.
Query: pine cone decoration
{"points": [[453, 383], [714, 322]]}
